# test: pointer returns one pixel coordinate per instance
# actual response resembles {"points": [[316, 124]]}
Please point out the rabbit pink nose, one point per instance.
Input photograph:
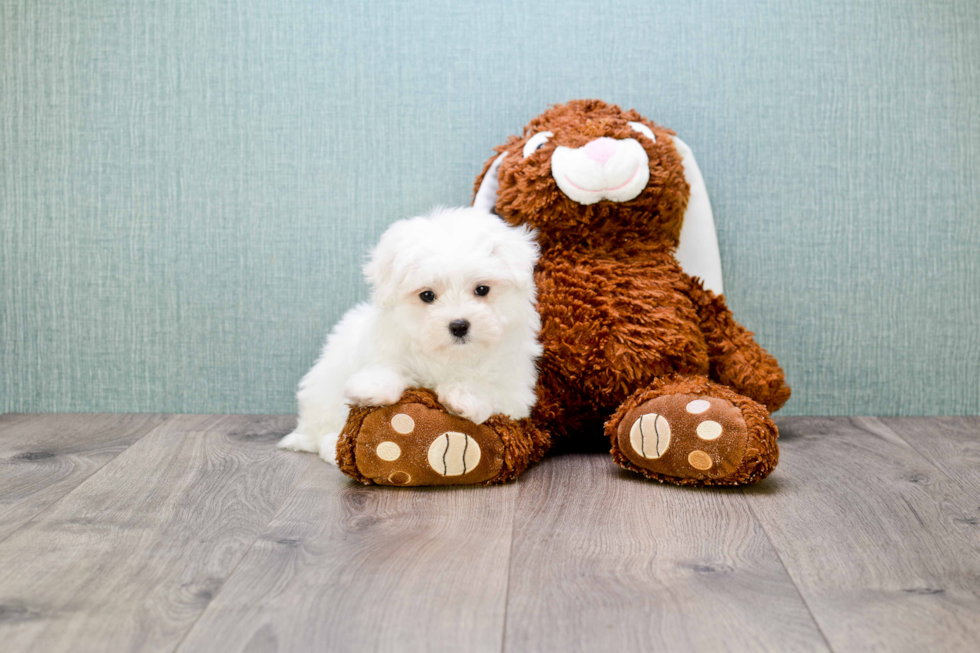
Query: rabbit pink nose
{"points": [[601, 149]]}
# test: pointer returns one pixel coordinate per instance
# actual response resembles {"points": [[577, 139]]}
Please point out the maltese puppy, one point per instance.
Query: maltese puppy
{"points": [[452, 310]]}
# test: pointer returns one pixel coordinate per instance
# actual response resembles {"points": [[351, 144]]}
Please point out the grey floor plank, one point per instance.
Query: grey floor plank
{"points": [[883, 546], [950, 443], [604, 560], [136, 535], [130, 558], [43, 457], [345, 567]]}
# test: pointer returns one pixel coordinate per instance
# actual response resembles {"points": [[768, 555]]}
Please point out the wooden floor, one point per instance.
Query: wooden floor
{"points": [[193, 533]]}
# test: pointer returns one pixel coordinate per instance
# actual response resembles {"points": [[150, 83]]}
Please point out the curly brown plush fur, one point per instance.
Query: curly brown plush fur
{"points": [[619, 315]]}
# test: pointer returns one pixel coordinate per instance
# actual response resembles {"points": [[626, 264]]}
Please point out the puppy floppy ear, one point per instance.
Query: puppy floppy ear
{"points": [[381, 269], [518, 250]]}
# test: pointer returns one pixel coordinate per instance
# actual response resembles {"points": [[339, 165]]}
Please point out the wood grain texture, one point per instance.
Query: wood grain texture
{"points": [[129, 559], [605, 560], [950, 443], [883, 546], [43, 457], [200, 536], [344, 567]]}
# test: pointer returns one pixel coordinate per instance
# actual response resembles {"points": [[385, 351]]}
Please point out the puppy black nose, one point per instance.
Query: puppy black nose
{"points": [[459, 328]]}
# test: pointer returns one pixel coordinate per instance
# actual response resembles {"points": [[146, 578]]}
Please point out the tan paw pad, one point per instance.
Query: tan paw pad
{"points": [[699, 460], [389, 451], [709, 430], [400, 478], [650, 435], [403, 424], [453, 454], [698, 406]]}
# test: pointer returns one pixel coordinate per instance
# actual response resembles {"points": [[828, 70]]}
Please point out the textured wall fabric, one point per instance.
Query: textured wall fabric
{"points": [[187, 188]]}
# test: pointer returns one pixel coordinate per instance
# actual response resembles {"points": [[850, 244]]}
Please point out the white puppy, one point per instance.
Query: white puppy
{"points": [[452, 310]]}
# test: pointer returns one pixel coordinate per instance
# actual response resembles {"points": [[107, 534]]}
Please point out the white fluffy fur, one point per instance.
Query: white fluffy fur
{"points": [[396, 341]]}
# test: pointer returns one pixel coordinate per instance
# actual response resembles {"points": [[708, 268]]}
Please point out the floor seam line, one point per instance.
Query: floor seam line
{"points": [[782, 563], [510, 564], [939, 468], [85, 480]]}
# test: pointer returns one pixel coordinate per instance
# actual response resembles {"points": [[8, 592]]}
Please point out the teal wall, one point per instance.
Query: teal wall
{"points": [[187, 188]]}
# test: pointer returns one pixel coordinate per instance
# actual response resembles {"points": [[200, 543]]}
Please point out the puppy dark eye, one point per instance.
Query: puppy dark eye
{"points": [[427, 296], [482, 290]]}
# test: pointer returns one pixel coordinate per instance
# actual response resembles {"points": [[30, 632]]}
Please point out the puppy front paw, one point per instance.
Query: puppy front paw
{"points": [[374, 387], [297, 441], [328, 447], [463, 403]]}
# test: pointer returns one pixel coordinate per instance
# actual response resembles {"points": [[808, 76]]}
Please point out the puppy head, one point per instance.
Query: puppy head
{"points": [[455, 281]]}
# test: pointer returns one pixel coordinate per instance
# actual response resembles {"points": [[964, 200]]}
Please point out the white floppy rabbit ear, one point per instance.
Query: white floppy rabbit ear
{"points": [[697, 251], [486, 196]]}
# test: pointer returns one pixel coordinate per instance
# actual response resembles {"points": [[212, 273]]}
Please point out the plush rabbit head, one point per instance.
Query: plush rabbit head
{"points": [[589, 174]]}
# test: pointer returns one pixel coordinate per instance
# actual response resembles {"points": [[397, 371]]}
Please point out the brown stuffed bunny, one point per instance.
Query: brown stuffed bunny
{"points": [[633, 346]]}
